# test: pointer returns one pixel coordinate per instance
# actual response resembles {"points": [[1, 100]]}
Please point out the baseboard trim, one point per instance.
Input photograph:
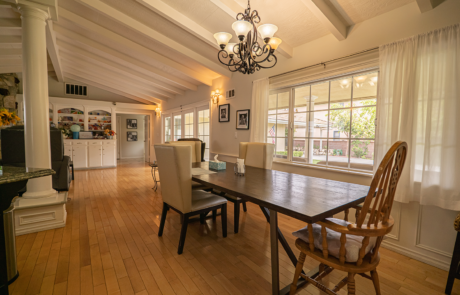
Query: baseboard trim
{"points": [[417, 256]]}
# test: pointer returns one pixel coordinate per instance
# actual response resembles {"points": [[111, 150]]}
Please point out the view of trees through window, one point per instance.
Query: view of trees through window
{"points": [[327, 123]]}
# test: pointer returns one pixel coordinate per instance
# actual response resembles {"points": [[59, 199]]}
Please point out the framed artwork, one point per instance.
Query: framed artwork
{"points": [[242, 119], [224, 113], [131, 123], [132, 135]]}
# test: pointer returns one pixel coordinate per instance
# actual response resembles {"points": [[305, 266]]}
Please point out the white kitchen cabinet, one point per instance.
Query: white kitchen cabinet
{"points": [[91, 153], [80, 156], [68, 151], [95, 155], [108, 154]]}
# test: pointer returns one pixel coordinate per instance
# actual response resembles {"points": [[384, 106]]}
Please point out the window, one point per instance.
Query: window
{"points": [[188, 125], [203, 129], [329, 123], [177, 127], [167, 124]]}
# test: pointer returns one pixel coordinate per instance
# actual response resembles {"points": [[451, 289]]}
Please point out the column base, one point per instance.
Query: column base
{"points": [[34, 215]]}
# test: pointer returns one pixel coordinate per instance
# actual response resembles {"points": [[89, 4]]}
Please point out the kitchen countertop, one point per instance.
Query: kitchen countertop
{"points": [[14, 174]]}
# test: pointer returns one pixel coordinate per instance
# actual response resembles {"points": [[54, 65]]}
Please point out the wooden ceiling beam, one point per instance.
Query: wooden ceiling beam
{"points": [[108, 83], [328, 17], [180, 20], [11, 42], [154, 35], [53, 50], [73, 37], [120, 79], [74, 51], [122, 41], [425, 5], [10, 26]]}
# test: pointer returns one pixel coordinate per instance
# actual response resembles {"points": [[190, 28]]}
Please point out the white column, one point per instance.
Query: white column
{"points": [[36, 101]]}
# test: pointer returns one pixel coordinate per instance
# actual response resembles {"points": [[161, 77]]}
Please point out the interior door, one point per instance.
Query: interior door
{"points": [[147, 138]]}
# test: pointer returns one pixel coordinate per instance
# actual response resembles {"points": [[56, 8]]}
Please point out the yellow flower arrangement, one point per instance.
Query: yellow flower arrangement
{"points": [[7, 118], [109, 132]]}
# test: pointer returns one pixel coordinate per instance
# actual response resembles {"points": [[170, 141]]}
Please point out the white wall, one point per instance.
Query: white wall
{"points": [[131, 149], [422, 232]]}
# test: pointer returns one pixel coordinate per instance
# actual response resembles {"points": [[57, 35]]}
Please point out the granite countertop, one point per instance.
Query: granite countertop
{"points": [[15, 174]]}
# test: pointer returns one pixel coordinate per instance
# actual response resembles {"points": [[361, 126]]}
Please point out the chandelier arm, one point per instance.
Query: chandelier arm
{"points": [[263, 67]]}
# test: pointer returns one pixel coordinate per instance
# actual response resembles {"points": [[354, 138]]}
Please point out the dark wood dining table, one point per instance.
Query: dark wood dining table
{"points": [[306, 198]]}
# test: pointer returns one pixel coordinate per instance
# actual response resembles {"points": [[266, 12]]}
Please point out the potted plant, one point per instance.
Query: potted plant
{"points": [[7, 118]]}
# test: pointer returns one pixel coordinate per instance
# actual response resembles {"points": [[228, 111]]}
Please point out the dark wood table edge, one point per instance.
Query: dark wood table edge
{"points": [[287, 212]]}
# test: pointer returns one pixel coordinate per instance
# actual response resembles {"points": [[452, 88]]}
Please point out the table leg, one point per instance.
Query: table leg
{"points": [[274, 252]]}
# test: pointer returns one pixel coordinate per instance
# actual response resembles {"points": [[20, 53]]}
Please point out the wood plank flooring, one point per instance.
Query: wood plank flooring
{"points": [[110, 246]]}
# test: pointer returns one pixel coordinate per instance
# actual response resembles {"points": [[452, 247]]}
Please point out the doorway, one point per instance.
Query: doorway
{"points": [[133, 137]]}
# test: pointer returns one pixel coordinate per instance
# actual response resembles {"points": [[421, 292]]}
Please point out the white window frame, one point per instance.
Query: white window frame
{"points": [[291, 90], [195, 107]]}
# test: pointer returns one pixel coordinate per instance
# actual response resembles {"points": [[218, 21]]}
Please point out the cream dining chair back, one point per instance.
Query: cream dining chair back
{"points": [[257, 154], [175, 169]]}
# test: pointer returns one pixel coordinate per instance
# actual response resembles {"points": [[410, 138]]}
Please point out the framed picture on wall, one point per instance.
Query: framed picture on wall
{"points": [[242, 119], [224, 113], [132, 135], [131, 123]]}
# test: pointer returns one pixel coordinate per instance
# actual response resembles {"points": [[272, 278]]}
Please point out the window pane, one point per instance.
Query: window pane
{"points": [[282, 123], [177, 127], [300, 150], [365, 89], [340, 121], [319, 151], [272, 103], [271, 126], [301, 125], [281, 146], [362, 154], [318, 122], [338, 153], [320, 96], [283, 102], [341, 93], [206, 129], [167, 129], [302, 99], [363, 124]]}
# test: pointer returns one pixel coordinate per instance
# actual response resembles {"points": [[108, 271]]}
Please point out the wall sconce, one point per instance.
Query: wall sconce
{"points": [[158, 111], [215, 95]]}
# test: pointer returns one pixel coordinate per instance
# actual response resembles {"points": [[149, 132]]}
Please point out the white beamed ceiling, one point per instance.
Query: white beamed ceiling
{"points": [[139, 49]]}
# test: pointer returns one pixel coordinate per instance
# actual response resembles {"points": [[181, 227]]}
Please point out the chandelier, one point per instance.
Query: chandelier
{"points": [[248, 55]]}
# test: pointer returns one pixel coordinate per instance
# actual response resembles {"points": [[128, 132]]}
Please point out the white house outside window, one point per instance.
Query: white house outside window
{"points": [[329, 123]]}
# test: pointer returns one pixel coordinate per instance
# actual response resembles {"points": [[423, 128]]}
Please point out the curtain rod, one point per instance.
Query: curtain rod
{"points": [[325, 62]]}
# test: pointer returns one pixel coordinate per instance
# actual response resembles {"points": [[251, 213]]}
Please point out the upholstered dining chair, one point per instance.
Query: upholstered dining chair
{"points": [[175, 169], [354, 247], [255, 154], [196, 152]]}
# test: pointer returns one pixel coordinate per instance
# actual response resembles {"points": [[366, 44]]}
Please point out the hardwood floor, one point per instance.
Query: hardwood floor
{"points": [[110, 246]]}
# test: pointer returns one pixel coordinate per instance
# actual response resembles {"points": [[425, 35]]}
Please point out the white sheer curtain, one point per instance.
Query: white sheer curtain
{"points": [[419, 102], [259, 110]]}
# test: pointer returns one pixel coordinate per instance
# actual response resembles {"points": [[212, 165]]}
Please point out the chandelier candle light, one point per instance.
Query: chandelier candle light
{"points": [[248, 55]]}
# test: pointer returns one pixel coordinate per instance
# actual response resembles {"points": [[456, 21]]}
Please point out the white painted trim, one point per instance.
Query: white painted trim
{"points": [[186, 106], [416, 255], [124, 158], [418, 244]]}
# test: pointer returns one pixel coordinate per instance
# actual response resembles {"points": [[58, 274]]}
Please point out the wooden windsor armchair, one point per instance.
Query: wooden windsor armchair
{"points": [[354, 247]]}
